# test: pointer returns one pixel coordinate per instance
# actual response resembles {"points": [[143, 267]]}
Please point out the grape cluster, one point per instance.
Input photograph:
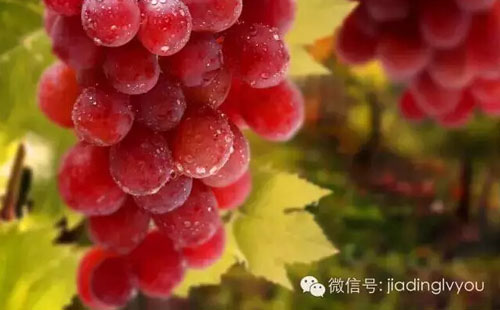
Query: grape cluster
{"points": [[447, 52], [158, 91]]}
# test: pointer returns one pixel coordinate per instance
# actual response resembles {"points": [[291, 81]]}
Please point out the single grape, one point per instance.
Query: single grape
{"points": [[102, 116], [202, 142], [234, 195], [64, 7], [231, 106], [433, 99], [214, 92], [357, 40], [88, 264], [195, 222], [111, 282], [443, 24], [452, 68], [214, 15], [236, 165], [85, 183], [157, 265], [49, 19], [57, 93], [475, 5], [256, 54], [197, 63], [71, 44], [483, 41], [275, 113], [171, 196], [162, 108], [131, 69], [141, 163], [208, 253], [388, 10], [460, 115], [121, 231], [112, 22], [486, 90], [409, 108], [278, 14], [166, 26], [402, 52]]}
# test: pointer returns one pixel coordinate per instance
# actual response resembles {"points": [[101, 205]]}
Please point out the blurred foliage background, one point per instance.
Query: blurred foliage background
{"points": [[400, 200]]}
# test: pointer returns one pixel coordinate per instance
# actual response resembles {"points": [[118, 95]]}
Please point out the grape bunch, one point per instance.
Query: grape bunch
{"points": [[158, 93], [447, 53]]}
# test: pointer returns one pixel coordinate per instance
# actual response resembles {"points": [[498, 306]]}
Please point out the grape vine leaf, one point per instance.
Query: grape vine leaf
{"points": [[274, 230], [315, 19], [35, 277]]}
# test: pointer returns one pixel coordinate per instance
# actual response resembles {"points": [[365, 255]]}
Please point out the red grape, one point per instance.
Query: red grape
{"points": [[141, 163], [92, 77], [483, 41], [274, 113], [171, 196], [111, 22], [475, 5], [86, 269], [197, 63], [71, 44], [57, 93], [166, 26], [231, 106], [64, 7], [157, 265], [388, 10], [443, 24], [356, 39], [111, 282], [234, 195], [486, 90], [131, 69], [433, 99], [452, 68], [257, 55], [409, 108], [85, 183], [206, 254], [491, 108], [162, 108], [214, 15], [460, 115], [214, 92], [195, 222], [277, 13], [121, 231], [102, 116], [236, 165], [49, 19], [202, 142], [402, 52]]}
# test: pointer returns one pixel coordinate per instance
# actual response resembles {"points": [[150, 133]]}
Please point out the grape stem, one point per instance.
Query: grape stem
{"points": [[8, 211]]}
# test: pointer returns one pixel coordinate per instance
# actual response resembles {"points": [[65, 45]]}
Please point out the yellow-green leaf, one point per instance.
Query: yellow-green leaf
{"points": [[317, 19], [275, 230], [213, 274], [303, 64], [35, 273]]}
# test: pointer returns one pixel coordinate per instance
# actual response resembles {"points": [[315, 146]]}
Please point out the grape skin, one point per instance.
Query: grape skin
{"points": [[206, 254], [234, 195], [214, 15], [111, 23], [166, 26], [170, 197], [64, 7], [278, 14]]}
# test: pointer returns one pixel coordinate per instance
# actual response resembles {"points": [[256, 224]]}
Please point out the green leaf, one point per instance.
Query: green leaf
{"points": [[275, 231], [303, 64], [317, 19], [35, 273], [213, 274]]}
